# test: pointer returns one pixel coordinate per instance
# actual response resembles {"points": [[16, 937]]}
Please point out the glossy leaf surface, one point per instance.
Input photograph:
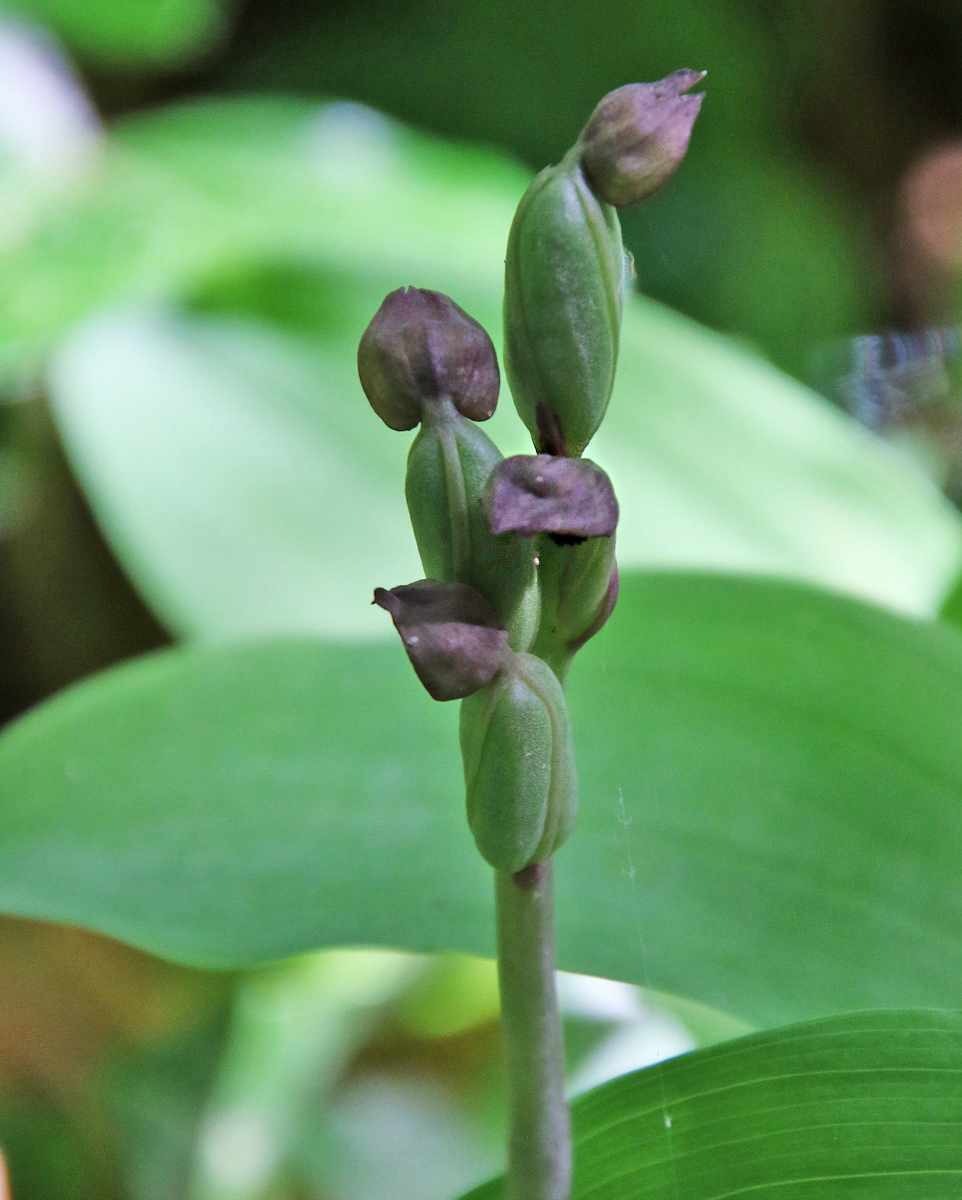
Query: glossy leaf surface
{"points": [[867, 1104], [770, 819]]}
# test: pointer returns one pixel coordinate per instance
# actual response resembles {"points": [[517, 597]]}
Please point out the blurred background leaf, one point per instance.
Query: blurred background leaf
{"points": [[755, 756], [128, 33], [223, 451], [216, 187]]}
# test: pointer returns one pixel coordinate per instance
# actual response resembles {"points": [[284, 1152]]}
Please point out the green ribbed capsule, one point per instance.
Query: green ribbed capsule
{"points": [[520, 782], [448, 466], [565, 280], [579, 589]]}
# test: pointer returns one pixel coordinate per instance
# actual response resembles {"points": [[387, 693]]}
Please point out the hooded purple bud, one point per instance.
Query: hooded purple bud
{"points": [[421, 346], [569, 498], [637, 137], [451, 635]]}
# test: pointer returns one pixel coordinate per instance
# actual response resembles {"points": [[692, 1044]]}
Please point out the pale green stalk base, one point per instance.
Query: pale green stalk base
{"points": [[539, 1153]]}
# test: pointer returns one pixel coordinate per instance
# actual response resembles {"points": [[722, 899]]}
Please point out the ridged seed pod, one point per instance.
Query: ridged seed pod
{"points": [[563, 297], [448, 466], [579, 589], [519, 771]]}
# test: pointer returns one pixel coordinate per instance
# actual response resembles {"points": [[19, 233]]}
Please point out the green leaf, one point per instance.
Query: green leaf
{"points": [[188, 194], [951, 610], [770, 820], [720, 461], [244, 486], [864, 1105], [128, 32], [307, 215]]}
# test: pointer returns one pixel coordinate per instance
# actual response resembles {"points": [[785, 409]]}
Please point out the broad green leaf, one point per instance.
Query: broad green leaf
{"points": [[951, 609], [243, 484], [719, 460], [864, 1105], [770, 819]]}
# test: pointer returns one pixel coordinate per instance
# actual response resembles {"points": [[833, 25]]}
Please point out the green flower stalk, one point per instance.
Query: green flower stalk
{"points": [[520, 552]]}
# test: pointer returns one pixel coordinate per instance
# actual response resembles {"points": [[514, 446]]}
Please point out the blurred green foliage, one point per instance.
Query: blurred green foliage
{"points": [[129, 34]]}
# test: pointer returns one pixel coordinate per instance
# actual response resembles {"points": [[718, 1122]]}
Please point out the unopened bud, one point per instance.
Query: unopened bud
{"points": [[520, 779], [449, 465], [420, 346], [637, 136], [570, 498], [563, 294], [450, 633]]}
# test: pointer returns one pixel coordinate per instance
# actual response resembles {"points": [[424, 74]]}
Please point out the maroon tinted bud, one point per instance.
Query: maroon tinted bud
{"points": [[637, 136], [451, 635], [565, 497], [420, 346]]}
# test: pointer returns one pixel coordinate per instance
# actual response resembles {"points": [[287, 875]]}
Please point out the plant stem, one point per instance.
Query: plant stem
{"points": [[539, 1154]]}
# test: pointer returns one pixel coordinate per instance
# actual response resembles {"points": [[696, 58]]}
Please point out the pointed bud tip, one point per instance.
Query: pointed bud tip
{"points": [[451, 635], [420, 346], [637, 136]]}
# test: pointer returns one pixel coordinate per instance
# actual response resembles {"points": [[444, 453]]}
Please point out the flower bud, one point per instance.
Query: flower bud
{"points": [[448, 466], [637, 136], [520, 779], [564, 289], [450, 633], [421, 346], [571, 498], [571, 504]]}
